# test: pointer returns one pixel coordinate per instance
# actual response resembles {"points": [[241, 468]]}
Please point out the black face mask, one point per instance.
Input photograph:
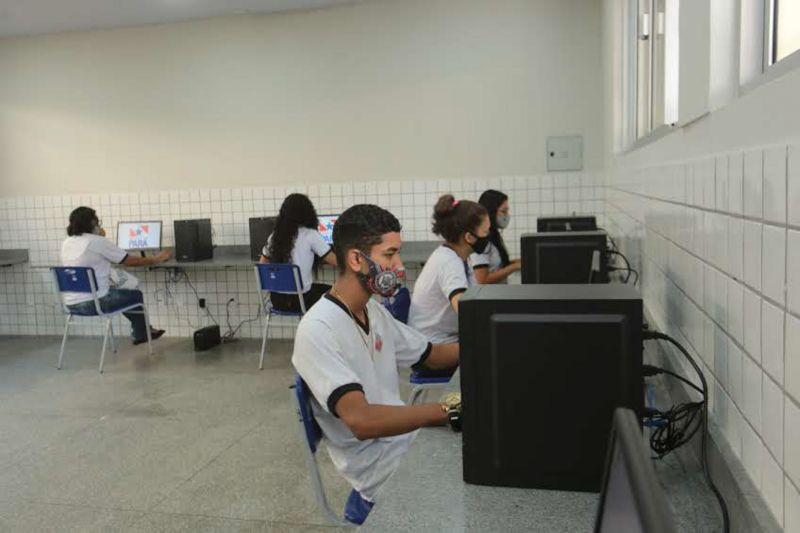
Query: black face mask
{"points": [[480, 244]]}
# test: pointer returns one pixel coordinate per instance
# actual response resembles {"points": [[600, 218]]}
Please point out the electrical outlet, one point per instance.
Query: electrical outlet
{"points": [[202, 303]]}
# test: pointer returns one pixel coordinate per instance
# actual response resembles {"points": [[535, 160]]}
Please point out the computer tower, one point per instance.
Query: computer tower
{"points": [[567, 223], [260, 230], [193, 240], [542, 369], [564, 257]]}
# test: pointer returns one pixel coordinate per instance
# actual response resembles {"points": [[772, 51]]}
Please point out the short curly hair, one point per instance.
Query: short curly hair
{"points": [[361, 227]]}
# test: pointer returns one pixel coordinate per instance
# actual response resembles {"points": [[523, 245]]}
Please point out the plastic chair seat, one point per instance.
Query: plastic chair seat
{"points": [[417, 379]]}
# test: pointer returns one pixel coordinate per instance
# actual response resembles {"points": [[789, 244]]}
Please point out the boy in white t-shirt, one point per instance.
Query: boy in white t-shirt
{"points": [[348, 348]]}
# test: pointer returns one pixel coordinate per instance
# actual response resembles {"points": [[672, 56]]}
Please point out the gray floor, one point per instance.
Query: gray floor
{"points": [[169, 442]]}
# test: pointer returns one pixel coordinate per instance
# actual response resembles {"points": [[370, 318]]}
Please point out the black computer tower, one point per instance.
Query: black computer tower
{"points": [[542, 369], [193, 240], [260, 230], [564, 257], [567, 223]]}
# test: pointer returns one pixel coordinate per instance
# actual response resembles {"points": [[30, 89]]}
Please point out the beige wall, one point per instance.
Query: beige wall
{"points": [[383, 90]]}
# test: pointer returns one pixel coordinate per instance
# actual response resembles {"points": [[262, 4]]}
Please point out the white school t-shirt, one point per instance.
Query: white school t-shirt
{"points": [[90, 250], [444, 275], [490, 258], [308, 244], [334, 355]]}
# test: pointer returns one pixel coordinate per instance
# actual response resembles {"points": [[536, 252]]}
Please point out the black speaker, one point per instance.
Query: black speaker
{"points": [[206, 338], [260, 230], [542, 369], [193, 240]]}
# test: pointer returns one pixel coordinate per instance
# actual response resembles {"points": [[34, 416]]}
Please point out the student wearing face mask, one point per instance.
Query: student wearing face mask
{"points": [[493, 265], [464, 225], [86, 246]]}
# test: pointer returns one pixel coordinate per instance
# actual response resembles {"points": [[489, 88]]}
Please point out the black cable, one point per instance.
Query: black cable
{"points": [[610, 238], [196, 295], [649, 370], [704, 437], [628, 266]]}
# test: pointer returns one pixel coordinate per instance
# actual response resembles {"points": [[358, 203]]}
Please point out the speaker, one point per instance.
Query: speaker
{"points": [[260, 230], [206, 338], [193, 240]]}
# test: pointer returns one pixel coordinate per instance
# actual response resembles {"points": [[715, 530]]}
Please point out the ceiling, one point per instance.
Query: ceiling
{"points": [[31, 17]]}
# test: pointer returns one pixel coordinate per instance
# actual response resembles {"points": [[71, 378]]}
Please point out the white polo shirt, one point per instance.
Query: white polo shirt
{"points": [[90, 250], [444, 275], [490, 258], [308, 244], [335, 355]]}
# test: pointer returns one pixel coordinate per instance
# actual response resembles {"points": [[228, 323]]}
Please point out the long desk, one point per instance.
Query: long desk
{"points": [[13, 257], [428, 493], [413, 253]]}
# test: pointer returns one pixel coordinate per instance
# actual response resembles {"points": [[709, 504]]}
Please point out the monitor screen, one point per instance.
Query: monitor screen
{"points": [[326, 223], [631, 499], [139, 235]]}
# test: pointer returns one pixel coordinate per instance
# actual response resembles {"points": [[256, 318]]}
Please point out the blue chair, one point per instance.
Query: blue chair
{"points": [[282, 278], [399, 305], [83, 280], [311, 435]]}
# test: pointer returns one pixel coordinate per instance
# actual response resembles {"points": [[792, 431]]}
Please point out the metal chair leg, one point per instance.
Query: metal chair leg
{"points": [[64, 341], [113, 341], [416, 394], [105, 341], [147, 327], [264, 342]]}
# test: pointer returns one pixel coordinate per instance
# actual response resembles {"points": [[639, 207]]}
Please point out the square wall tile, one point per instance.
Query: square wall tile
{"points": [[736, 183], [773, 264], [772, 486], [754, 183], [772, 417], [751, 392], [793, 171], [735, 247], [792, 378], [791, 438], [735, 379], [792, 507], [772, 340], [753, 451], [753, 233], [775, 184], [752, 324], [736, 310], [793, 271]]}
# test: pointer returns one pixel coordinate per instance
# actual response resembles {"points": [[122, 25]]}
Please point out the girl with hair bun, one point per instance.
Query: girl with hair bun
{"points": [[464, 226]]}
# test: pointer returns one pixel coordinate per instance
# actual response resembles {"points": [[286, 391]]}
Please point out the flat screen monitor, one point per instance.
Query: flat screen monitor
{"points": [[542, 369], [326, 223], [564, 257], [139, 235], [260, 230], [567, 223], [631, 499]]}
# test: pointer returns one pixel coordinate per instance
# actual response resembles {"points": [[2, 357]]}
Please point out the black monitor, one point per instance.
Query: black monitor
{"points": [[567, 223], [631, 499], [542, 369], [260, 230], [564, 257]]}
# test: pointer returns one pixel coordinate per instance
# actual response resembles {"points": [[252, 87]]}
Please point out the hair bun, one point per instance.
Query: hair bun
{"points": [[445, 206]]}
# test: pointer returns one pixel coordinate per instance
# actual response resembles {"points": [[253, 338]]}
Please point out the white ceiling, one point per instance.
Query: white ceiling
{"points": [[30, 17]]}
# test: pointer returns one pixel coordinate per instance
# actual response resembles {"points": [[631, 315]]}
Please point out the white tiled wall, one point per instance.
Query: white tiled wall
{"points": [[29, 306], [718, 242]]}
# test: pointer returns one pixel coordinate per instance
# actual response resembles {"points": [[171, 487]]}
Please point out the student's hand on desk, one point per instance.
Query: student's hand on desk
{"points": [[516, 264], [163, 255]]}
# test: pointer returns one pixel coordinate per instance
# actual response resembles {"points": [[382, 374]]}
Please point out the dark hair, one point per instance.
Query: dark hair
{"points": [[361, 227], [296, 211], [492, 200], [452, 219], [82, 220]]}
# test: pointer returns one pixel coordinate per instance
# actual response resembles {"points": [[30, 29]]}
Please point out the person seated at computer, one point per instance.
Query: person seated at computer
{"points": [[464, 225], [86, 246], [493, 265], [348, 349], [296, 240]]}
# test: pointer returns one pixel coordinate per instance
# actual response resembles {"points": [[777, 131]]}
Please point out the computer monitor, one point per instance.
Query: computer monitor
{"points": [[542, 369], [631, 499], [260, 230], [567, 223], [326, 223], [139, 236], [564, 257]]}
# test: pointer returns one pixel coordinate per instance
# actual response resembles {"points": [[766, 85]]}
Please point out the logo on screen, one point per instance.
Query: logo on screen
{"points": [[327, 226], [137, 237]]}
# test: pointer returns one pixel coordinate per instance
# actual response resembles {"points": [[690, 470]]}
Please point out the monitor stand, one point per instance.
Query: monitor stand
{"points": [[142, 252]]}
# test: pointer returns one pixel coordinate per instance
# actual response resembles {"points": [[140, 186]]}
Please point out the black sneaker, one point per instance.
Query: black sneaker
{"points": [[154, 334]]}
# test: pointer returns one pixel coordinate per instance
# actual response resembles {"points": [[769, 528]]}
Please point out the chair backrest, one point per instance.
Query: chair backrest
{"points": [[75, 279], [399, 305], [311, 429], [279, 277]]}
